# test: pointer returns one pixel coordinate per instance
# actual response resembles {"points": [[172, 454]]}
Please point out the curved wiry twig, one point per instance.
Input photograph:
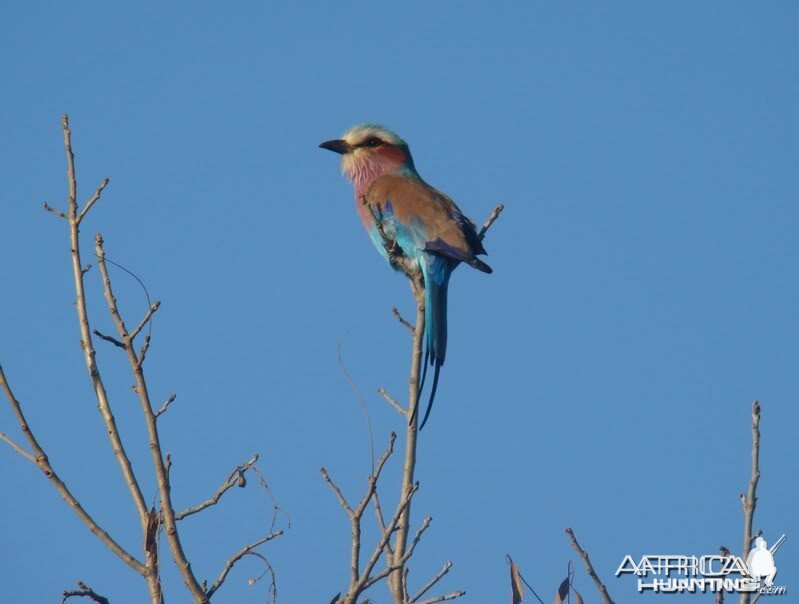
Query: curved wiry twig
{"points": [[247, 549]]}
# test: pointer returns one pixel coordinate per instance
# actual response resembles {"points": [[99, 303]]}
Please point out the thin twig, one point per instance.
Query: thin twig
{"points": [[147, 317], [392, 401], [603, 592], [55, 211], [749, 499], [403, 321], [235, 558], [494, 215], [236, 478], [111, 339], [420, 531], [337, 491], [93, 200], [166, 404], [447, 598], [18, 448], [84, 591], [427, 586]]}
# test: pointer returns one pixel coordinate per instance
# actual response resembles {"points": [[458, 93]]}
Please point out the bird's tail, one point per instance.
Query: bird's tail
{"points": [[436, 278]]}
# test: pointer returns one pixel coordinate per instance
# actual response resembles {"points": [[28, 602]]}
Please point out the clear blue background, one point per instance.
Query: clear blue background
{"points": [[645, 286]]}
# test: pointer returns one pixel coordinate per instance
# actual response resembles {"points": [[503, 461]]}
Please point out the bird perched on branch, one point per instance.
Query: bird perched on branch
{"points": [[431, 231]]}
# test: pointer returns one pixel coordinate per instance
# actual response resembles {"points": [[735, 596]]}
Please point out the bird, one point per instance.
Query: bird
{"points": [[424, 223]]}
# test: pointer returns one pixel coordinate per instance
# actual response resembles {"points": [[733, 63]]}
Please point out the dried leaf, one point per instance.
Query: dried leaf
{"points": [[516, 585], [578, 599], [563, 592]]}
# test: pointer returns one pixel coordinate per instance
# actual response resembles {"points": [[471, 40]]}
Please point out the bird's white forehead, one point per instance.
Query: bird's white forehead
{"points": [[361, 132]]}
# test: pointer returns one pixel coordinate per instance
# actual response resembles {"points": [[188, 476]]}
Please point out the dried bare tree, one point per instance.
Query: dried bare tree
{"points": [[158, 520], [399, 550]]}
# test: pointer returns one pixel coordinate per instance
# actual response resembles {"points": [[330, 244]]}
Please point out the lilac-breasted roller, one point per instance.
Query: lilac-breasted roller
{"points": [[428, 226]]}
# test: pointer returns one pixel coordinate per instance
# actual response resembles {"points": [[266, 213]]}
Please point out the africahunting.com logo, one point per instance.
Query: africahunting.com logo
{"points": [[714, 573]]}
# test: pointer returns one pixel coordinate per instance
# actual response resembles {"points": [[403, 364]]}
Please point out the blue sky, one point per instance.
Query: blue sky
{"points": [[644, 290]]}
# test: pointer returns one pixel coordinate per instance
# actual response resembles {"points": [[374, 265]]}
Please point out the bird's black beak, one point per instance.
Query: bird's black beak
{"points": [[338, 145]]}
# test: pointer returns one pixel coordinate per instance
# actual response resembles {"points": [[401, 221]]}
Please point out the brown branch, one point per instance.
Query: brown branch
{"points": [[402, 508], [84, 591], [53, 210], [144, 348], [94, 199], [337, 491], [18, 448], [147, 317], [166, 404], [43, 463], [494, 215], [603, 592], [392, 401], [247, 549], [447, 598], [111, 339], [235, 479], [411, 432], [749, 499], [86, 339], [403, 321], [427, 586], [167, 509], [356, 514]]}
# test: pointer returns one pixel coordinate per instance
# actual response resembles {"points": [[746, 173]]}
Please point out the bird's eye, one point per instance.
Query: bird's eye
{"points": [[373, 142]]}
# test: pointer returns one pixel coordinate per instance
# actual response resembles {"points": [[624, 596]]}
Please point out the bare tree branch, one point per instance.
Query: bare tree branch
{"points": [[147, 317], [84, 591], [749, 499], [402, 508], [55, 211], [356, 514], [110, 339], [411, 432], [167, 509], [427, 586], [43, 463], [235, 479], [86, 339], [603, 592], [94, 199], [447, 598], [247, 549], [494, 215], [144, 348], [166, 404], [392, 401], [18, 448], [404, 322]]}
